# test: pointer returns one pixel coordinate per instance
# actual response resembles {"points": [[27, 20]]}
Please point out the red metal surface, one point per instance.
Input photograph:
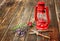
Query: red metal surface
{"points": [[41, 22]]}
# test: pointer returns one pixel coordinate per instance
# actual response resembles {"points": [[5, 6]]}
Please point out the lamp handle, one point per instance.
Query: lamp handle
{"points": [[47, 13]]}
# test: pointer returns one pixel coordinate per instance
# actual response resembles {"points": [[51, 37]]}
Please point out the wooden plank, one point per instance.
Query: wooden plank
{"points": [[53, 14], [54, 34]]}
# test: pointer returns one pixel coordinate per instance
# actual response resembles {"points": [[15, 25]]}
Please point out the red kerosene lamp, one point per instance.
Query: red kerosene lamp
{"points": [[41, 16]]}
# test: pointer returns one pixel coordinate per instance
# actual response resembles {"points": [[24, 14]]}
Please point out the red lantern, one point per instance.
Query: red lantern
{"points": [[41, 16]]}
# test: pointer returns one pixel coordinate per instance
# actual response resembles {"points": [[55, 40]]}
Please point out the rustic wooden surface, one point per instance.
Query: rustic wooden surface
{"points": [[17, 11]]}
